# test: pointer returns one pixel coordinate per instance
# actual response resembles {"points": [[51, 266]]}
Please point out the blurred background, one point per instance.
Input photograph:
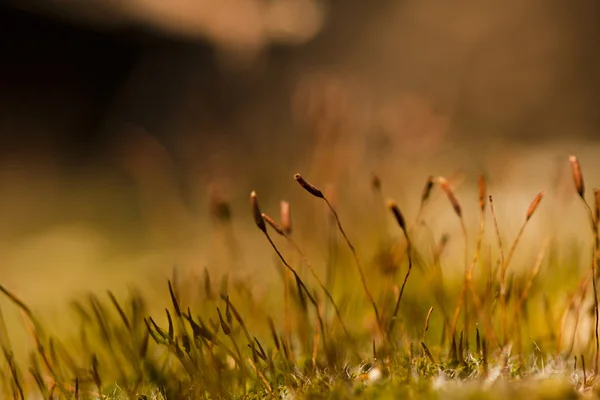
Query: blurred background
{"points": [[122, 123]]}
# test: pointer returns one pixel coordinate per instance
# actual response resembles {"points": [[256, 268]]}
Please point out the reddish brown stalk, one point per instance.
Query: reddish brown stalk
{"points": [[425, 195], [577, 315], [584, 371], [281, 232], [286, 221], [534, 272], [286, 284], [482, 203], [503, 267], [469, 276], [581, 288], [597, 206], [261, 376], [438, 280], [580, 187], [505, 263], [260, 223], [502, 272], [458, 210], [489, 310], [530, 211], [525, 293], [310, 188], [315, 350], [427, 323], [402, 223], [497, 228]]}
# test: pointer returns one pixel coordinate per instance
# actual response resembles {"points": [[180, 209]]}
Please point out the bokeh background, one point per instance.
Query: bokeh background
{"points": [[120, 121]]}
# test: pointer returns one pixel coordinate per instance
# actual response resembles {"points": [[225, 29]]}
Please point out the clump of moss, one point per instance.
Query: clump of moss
{"points": [[324, 342]]}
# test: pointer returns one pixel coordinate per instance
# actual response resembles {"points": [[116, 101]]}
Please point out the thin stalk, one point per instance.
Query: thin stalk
{"points": [[297, 248], [580, 187], [313, 190], [402, 223], [462, 298], [581, 288], [302, 285], [260, 223], [358, 265]]}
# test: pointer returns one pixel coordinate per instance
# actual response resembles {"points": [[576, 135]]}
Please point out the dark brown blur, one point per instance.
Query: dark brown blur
{"points": [[117, 122]]}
